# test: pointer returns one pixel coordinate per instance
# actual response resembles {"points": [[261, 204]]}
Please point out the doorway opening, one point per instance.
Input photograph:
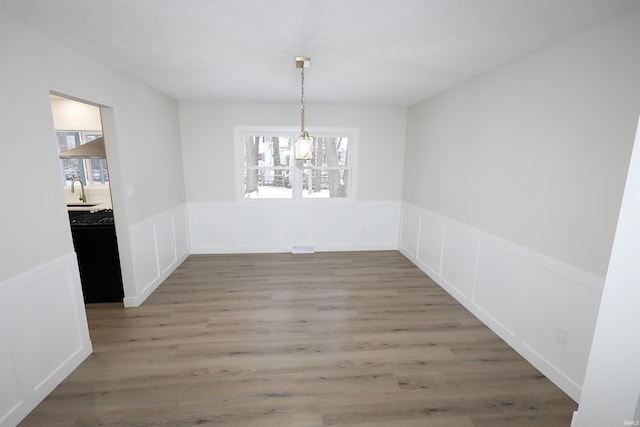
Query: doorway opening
{"points": [[85, 178]]}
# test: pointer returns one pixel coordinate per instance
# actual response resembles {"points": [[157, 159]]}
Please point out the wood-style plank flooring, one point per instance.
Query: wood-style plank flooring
{"points": [[329, 339]]}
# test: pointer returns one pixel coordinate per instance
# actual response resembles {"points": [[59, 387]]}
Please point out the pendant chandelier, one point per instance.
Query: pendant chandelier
{"points": [[303, 147]]}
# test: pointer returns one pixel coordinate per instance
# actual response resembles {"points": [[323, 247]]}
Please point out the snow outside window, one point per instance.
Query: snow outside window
{"points": [[268, 170], [90, 171]]}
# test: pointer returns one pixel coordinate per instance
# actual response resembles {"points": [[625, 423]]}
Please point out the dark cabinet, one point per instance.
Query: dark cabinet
{"points": [[96, 246]]}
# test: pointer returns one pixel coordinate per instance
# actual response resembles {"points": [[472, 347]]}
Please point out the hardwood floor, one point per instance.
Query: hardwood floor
{"points": [[340, 339]]}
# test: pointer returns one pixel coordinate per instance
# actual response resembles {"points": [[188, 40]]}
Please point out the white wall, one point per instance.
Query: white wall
{"points": [[208, 152], [41, 309], [512, 186], [144, 146], [611, 393], [220, 223], [73, 115], [536, 151]]}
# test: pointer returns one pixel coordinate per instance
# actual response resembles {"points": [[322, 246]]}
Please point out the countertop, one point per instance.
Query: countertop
{"points": [[88, 207]]}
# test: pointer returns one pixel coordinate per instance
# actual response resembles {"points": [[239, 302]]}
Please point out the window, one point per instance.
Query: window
{"points": [[268, 170], [90, 171]]}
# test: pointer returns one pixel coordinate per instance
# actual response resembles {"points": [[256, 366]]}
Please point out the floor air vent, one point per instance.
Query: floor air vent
{"points": [[302, 250]]}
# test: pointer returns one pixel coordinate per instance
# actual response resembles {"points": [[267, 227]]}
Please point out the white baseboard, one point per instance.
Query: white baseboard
{"points": [[574, 417], [153, 285]]}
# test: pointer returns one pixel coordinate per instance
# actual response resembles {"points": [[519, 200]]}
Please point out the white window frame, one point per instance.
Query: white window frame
{"points": [[86, 164], [239, 134]]}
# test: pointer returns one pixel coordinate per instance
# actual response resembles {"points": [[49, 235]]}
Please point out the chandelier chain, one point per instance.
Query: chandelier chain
{"points": [[302, 102]]}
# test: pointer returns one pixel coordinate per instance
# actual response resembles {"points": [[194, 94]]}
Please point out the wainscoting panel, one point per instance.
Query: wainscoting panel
{"points": [[212, 228], [556, 301], [380, 226], [261, 229], [165, 243], [43, 332], [410, 229], [545, 309], [181, 232], [10, 388], [270, 227], [430, 243], [459, 253], [500, 278], [158, 246], [145, 255]]}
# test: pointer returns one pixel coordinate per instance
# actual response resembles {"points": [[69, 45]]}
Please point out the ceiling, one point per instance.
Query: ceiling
{"points": [[363, 52]]}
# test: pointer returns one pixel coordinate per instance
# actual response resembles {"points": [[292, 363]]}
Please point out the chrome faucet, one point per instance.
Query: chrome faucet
{"points": [[83, 196]]}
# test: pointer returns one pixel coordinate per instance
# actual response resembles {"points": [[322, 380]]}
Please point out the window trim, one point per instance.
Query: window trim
{"points": [[240, 132], [87, 169]]}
